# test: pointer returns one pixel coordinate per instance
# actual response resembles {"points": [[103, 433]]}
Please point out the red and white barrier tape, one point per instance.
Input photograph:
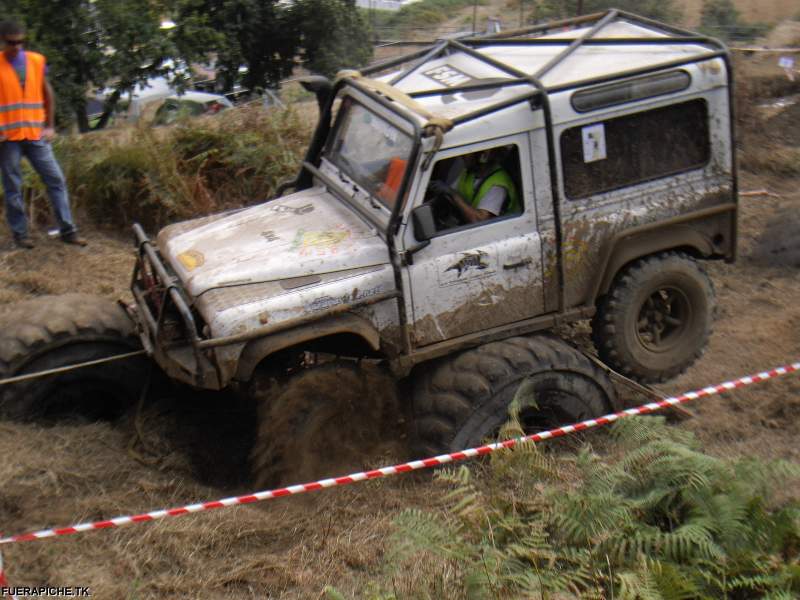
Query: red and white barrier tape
{"points": [[405, 467], [4, 581]]}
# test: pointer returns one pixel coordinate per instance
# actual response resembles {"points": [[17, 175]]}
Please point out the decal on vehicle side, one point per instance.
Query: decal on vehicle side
{"points": [[325, 302], [465, 266]]}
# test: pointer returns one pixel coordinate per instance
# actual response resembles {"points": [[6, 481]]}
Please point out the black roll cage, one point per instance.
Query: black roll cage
{"points": [[538, 98]]}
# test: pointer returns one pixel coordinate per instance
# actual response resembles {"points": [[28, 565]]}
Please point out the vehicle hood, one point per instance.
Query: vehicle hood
{"points": [[308, 233]]}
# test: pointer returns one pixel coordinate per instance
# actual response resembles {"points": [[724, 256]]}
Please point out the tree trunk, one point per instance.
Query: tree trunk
{"points": [[82, 117]]}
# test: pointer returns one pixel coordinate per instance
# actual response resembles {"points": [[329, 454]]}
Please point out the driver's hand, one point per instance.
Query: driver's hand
{"points": [[440, 187]]}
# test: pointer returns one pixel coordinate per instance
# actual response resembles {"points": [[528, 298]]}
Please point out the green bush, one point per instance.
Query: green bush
{"points": [[721, 19], [657, 519], [160, 175]]}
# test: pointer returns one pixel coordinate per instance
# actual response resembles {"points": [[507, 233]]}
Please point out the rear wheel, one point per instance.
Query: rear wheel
{"points": [[656, 318], [57, 331], [461, 401]]}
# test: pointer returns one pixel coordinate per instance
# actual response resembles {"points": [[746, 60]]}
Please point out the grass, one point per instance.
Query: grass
{"points": [[424, 15], [156, 176]]}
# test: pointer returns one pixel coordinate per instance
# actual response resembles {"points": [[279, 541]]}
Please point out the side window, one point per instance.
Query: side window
{"points": [[476, 187], [635, 148]]}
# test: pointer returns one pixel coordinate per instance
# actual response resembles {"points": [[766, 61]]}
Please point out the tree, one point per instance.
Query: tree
{"points": [[334, 35], [721, 18], [96, 44], [257, 34], [268, 36], [118, 44]]}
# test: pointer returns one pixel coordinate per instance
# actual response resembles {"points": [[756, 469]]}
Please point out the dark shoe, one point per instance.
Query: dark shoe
{"points": [[24, 242], [75, 239]]}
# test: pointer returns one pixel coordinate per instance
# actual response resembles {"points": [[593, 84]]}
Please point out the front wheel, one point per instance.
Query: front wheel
{"points": [[656, 319], [322, 421], [462, 400]]}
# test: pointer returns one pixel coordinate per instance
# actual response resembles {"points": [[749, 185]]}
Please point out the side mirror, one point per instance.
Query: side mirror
{"points": [[422, 220], [321, 86]]}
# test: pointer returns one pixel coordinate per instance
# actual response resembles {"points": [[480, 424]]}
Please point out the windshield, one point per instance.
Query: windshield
{"points": [[371, 151]]}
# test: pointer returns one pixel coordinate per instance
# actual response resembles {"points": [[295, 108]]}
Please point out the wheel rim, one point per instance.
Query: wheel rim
{"points": [[663, 319], [548, 414]]}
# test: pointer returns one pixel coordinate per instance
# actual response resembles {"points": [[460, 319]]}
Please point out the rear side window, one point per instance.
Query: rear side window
{"points": [[635, 148]]}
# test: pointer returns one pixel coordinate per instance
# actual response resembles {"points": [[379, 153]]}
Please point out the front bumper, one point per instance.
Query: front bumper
{"points": [[165, 322]]}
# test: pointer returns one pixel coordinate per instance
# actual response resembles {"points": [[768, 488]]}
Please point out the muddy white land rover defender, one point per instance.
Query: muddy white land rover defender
{"points": [[454, 205]]}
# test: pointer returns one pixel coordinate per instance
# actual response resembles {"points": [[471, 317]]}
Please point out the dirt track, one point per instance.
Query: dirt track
{"points": [[195, 446]]}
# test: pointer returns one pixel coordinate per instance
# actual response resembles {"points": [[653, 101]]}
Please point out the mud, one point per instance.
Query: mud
{"points": [[780, 243], [337, 417]]}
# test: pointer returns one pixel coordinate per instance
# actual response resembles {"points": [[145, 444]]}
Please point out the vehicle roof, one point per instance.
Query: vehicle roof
{"points": [[602, 54]]}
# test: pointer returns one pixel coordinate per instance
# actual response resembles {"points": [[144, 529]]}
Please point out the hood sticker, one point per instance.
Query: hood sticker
{"points": [[322, 243], [295, 210], [191, 259]]}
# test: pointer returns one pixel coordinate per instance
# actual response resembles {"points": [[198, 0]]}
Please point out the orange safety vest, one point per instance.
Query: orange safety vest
{"points": [[22, 114], [394, 177]]}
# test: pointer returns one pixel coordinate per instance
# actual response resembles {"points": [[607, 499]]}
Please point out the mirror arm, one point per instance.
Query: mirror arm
{"points": [[408, 254]]}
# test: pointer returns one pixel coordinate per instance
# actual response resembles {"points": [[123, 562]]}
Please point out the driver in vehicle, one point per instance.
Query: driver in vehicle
{"points": [[478, 187]]}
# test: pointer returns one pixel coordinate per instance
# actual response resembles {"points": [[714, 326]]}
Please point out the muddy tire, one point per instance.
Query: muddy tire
{"points": [[322, 421], [56, 331], [656, 319], [461, 401]]}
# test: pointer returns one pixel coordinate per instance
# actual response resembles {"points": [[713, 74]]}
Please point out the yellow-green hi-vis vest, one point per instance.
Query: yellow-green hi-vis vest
{"points": [[500, 178]]}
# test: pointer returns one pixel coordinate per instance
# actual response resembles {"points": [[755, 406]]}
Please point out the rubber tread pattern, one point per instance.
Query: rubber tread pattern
{"points": [[48, 326], [604, 324], [457, 398]]}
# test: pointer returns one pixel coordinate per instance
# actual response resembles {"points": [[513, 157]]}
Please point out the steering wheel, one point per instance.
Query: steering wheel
{"points": [[445, 214]]}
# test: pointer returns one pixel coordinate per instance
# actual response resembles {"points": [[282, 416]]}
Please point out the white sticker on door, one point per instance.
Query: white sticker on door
{"points": [[594, 142]]}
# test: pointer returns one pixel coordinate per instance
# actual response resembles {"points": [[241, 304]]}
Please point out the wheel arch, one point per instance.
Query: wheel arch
{"points": [[352, 330], [683, 238]]}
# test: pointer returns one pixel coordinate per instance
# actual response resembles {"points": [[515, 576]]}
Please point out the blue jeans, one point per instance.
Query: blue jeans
{"points": [[41, 157]]}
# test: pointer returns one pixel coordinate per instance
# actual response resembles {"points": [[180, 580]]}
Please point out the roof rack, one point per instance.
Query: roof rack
{"points": [[597, 21]]}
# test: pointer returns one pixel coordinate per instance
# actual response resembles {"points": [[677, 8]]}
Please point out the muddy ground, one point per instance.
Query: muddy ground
{"points": [[186, 447]]}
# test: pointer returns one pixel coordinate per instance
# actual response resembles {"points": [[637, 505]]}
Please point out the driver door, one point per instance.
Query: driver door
{"points": [[475, 277]]}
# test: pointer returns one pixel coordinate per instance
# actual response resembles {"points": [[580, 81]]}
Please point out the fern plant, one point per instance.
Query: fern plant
{"points": [[654, 518]]}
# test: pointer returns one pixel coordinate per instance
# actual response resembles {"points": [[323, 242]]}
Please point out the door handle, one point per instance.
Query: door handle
{"points": [[525, 262]]}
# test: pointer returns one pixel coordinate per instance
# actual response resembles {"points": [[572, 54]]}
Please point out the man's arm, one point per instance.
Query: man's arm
{"points": [[471, 215], [49, 131]]}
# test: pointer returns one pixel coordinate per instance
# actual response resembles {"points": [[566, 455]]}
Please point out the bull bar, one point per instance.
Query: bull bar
{"points": [[164, 293]]}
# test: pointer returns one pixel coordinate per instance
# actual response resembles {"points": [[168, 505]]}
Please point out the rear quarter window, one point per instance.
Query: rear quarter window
{"points": [[623, 151]]}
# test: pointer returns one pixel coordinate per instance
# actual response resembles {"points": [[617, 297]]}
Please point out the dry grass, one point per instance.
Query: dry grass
{"points": [[161, 175], [288, 548]]}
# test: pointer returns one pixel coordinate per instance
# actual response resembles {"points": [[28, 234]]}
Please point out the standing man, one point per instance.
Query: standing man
{"points": [[27, 120]]}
